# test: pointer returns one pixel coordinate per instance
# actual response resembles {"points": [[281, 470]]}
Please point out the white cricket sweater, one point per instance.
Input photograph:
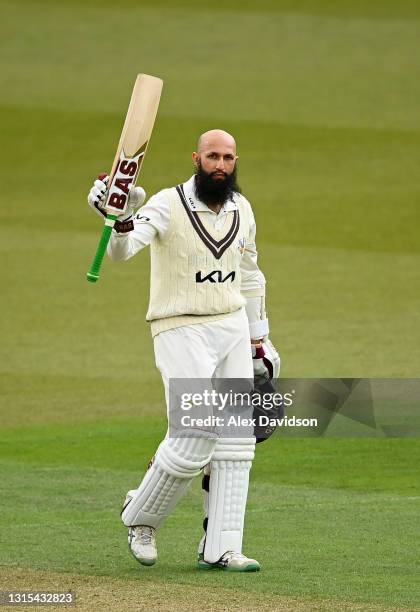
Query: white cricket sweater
{"points": [[203, 264]]}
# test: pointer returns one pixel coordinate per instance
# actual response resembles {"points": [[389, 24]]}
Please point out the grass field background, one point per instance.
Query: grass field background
{"points": [[323, 100]]}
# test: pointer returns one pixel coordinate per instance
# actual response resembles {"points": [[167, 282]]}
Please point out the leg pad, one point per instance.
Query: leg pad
{"points": [[228, 490], [177, 462]]}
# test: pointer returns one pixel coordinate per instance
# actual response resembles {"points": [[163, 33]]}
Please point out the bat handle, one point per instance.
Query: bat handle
{"points": [[93, 274]]}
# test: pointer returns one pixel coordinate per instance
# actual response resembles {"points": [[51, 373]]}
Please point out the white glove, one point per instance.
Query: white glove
{"points": [[266, 360], [97, 196]]}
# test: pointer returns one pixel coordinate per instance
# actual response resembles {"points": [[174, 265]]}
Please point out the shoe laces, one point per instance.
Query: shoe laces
{"points": [[230, 554], [145, 534]]}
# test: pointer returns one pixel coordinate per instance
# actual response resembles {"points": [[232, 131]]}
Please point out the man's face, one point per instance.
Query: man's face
{"points": [[215, 162], [216, 159]]}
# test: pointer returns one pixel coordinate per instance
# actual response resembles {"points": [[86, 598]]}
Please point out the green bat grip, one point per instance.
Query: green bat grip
{"points": [[93, 274]]}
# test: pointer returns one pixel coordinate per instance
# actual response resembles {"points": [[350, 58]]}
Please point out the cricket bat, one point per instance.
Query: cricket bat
{"points": [[129, 157]]}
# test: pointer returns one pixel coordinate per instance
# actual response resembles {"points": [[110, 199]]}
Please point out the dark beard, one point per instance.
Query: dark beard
{"points": [[215, 191]]}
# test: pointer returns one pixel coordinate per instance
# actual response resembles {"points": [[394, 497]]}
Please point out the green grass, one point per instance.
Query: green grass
{"points": [[327, 518], [322, 97]]}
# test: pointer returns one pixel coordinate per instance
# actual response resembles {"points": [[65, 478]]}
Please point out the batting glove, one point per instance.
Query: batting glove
{"points": [[266, 360], [97, 196]]}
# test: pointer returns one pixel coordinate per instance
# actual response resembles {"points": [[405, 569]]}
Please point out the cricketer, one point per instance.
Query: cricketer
{"points": [[208, 320]]}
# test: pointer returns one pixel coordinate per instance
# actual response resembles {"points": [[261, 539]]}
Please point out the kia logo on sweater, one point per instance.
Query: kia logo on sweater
{"points": [[214, 277]]}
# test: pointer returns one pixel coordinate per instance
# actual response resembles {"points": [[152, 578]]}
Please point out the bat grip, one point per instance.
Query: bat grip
{"points": [[93, 274]]}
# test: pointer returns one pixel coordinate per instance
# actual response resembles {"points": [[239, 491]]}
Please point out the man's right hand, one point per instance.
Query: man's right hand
{"points": [[97, 196]]}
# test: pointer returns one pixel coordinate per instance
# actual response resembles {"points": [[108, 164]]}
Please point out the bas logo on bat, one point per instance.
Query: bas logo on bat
{"points": [[124, 178]]}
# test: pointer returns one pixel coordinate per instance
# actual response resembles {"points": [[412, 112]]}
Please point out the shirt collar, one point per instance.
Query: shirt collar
{"points": [[197, 205]]}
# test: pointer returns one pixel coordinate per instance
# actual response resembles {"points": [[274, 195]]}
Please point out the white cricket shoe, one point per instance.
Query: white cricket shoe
{"points": [[142, 544], [230, 562]]}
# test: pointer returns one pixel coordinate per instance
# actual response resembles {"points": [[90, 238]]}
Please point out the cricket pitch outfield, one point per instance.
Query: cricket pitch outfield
{"points": [[323, 101]]}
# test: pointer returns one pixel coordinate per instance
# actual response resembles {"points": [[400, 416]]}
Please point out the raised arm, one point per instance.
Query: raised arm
{"points": [[139, 227], [149, 222]]}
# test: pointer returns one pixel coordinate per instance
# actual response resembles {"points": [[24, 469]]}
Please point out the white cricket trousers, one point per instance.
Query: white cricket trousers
{"points": [[206, 350], [218, 348]]}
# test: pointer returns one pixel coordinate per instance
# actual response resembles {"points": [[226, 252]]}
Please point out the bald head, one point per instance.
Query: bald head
{"points": [[216, 139], [216, 153]]}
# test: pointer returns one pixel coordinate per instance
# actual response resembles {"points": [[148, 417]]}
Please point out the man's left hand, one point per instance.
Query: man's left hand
{"points": [[266, 359]]}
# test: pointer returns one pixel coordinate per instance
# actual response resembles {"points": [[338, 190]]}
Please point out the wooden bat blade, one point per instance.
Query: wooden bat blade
{"points": [[129, 157], [133, 143]]}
